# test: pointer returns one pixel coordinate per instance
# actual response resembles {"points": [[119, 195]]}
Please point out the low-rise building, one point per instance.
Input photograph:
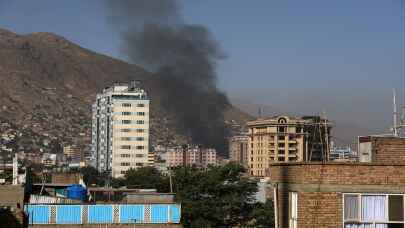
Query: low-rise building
{"points": [[365, 194], [342, 154], [348, 195], [73, 153], [187, 156], [381, 148]]}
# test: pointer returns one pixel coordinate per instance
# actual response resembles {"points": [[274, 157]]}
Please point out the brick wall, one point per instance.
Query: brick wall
{"points": [[338, 173], [388, 149], [326, 206], [66, 178]]}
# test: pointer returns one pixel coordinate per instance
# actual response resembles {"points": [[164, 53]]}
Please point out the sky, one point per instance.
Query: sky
{"points": [[303, 57]]}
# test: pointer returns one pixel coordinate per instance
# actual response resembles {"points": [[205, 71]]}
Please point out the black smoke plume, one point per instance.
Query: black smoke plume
{"points": [[184, 56]]}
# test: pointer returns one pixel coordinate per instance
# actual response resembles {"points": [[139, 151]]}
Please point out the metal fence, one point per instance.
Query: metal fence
{"points": [[103, 214]]}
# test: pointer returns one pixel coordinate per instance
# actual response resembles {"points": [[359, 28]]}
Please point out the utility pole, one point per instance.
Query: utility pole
{"points": [[326, 134], [171, 183], [15, 169]]}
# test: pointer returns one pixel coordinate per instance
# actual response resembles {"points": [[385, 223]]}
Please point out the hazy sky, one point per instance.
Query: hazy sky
{"points": [[342, 56]]}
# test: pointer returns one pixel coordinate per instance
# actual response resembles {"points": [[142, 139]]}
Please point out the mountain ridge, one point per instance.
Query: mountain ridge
{"points": [[47, 85]]}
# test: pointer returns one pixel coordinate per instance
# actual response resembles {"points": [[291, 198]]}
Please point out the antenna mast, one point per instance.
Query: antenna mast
{"points": [[395, 116]]}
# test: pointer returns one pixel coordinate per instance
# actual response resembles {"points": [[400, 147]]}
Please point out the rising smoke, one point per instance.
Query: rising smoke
{"points": [[184, 57]]}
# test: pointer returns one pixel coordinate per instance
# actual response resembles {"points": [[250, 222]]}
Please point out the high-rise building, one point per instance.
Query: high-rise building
{"points": [[238, 149], [120, 129], [285, 139]]}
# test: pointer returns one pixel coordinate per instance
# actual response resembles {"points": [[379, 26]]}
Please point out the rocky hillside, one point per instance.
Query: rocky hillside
{"points": [[47, 85]]}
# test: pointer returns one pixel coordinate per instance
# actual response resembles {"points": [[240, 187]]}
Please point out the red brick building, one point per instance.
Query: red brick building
{"points": [[343, 194]]}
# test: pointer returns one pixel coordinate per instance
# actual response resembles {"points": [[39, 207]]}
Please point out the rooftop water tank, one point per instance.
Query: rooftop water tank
{"points": [[77, 192]]}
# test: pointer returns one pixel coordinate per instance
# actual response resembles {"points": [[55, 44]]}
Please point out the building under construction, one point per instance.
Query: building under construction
{"points": [[286, 139]]}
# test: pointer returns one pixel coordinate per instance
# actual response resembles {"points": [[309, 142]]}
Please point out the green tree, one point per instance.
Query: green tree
{"points": [[147, 177], [91, 176], [214, 197], [263, 215], [217, 197]]}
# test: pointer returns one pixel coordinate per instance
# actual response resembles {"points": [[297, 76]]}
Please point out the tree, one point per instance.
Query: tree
{"points": [[217, 197], [210, 198], [91, 176], [147, 177], [263, 215]]}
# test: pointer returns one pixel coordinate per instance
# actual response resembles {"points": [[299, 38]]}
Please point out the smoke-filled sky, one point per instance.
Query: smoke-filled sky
{"points": [[342, 56]]}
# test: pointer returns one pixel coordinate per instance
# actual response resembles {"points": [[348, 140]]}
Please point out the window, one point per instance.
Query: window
{"points": [[126, 105], [125, 147], [125, 130], [140, 122], [126, 121], [370, 210], [395, 208], [140, 105], [140, 138], [126, 113], [140, 147], [293, 210], [125, 164], [125, 138], [282, 138], [139, 155], [141, 113], [282, 120], [291, 137], [125, 155], [140, 130], [139, 164]]}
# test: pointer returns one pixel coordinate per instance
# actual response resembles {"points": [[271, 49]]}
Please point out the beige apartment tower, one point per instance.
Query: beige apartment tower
{"points": [[286, 139], [120, 131]]}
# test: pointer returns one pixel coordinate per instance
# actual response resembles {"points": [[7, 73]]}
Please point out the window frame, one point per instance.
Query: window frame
{"points": [[360, 207], [292, 219]]}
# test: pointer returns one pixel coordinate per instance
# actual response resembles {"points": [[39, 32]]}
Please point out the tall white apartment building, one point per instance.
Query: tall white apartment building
{"points": [[120, 129]]}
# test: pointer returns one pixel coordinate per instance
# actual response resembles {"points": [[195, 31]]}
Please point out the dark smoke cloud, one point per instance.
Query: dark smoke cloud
{"points": [[185, 58]]}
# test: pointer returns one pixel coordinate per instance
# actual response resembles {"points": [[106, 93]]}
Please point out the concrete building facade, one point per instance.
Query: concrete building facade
{"points": [[120, 129], [189, 156], [238, 149], [286, 139], [73, 153]]}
